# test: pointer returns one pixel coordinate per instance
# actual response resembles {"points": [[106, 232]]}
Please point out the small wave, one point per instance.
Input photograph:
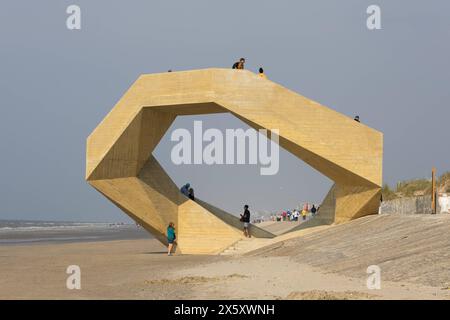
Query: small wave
{"points": [[80, 226], [55, 239]]}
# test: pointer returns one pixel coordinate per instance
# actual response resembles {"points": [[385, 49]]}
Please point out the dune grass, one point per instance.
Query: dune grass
{"points": [[413, 187]]}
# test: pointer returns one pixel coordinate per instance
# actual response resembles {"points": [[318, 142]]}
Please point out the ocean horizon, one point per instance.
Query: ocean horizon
{"points": [[16, 232]]}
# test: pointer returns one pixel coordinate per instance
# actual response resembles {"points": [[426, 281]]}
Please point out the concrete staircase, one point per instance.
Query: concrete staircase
{"points": [[245, 245]]}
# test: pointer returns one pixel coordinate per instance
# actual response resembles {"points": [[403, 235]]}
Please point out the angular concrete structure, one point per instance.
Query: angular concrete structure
{"points": [[120, 164]]}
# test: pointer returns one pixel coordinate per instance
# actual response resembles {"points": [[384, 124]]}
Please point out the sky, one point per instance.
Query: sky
{"points": [[57, 84]]}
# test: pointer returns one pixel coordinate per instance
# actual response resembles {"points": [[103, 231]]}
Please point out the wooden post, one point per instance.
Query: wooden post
{"points": [[433, 190]]}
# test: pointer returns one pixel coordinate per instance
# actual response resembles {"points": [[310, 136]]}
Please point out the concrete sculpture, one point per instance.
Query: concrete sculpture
{"points": [[120, 164]]}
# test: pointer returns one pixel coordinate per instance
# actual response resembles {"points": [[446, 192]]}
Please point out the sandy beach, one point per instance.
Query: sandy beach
{"points": [[311, 267]]}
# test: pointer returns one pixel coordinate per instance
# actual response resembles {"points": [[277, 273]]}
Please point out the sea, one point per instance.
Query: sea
{"points": [[20, 232]]}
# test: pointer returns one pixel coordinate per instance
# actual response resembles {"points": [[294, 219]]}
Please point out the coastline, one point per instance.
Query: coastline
{"points": [[15, 232]]}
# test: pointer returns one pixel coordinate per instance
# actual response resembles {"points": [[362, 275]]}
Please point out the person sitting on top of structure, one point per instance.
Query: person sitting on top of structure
{"points": [[191, 194], [185, 189], [262, 74], [239, 64]]}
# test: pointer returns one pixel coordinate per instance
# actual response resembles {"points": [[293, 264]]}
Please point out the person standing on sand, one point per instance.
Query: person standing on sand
{"points": [[170, 237], [304, 213], [313, 210], [245, 218]]}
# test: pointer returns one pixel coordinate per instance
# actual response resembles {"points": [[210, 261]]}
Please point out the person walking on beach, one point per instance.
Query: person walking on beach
{"points": [[304, 213], [239, 64], [170, 237], [261, 73], [245, 218], [313, 210]]}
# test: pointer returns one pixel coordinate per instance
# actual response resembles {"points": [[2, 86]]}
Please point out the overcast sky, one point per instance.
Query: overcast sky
{"points": [[57, 84]]}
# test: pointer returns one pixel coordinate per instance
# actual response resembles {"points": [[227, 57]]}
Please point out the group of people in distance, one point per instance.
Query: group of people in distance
{"points": [[293, 215]]}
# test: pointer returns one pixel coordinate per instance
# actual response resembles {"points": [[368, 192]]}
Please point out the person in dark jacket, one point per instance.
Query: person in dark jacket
{"points": [[313, 210], [239, 64], [245, 218], [185, 189], [191, 194]]}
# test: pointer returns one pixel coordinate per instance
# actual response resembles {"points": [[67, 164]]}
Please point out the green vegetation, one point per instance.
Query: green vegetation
{"points": [[416, 187], [444, 182], [388, 193]]}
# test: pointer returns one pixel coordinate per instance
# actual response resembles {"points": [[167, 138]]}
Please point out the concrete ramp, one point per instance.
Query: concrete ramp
{"points": [[234, 221], [278, 227], [202, 232]]}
